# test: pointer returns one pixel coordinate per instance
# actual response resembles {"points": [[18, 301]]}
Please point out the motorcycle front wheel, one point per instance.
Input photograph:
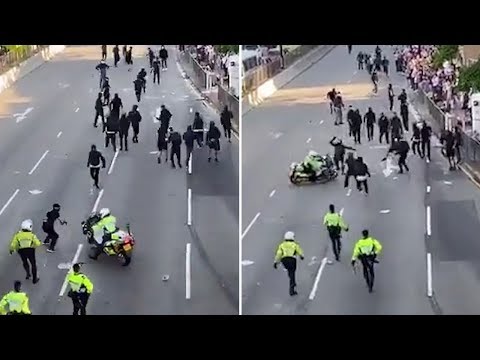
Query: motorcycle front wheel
{"points": [[124, 259]]}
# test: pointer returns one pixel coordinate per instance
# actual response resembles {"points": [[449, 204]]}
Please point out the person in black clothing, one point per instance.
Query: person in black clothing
{"points": [[331, 95], [378, 63], [403, 97], [339, 153], [124, 126], [385, 64], [226, 120], [135, 118], [383, 127], [426, 134], [142, 75], [106, 91], [116, 55], [124, 52], [391, 96], [360, 60], [138, 84], [176, 140], [198, 129], [349, 47], [104, 52], [164, 118], [162, 144], [98, 110], [396, 126], [163, 54], [356, 126], [404, 115], [111, 131], [189, 140], [400, 147], [361, 173], [156, 70], [370, 121], [458, 143], [350, 168], [416, 137], [213, 141], [94, 158], [115, 106], [448, 141], [151, 57], [102, 68], [374, 78], [350, 117], [49, 227], [128, 56]]}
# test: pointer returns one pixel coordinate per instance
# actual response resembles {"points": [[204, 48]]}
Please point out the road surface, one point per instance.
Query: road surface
{"points": [[46, 150], [282, 130]]}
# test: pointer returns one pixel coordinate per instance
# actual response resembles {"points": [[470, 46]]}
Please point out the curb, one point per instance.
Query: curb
{"points": [[472, 174]]}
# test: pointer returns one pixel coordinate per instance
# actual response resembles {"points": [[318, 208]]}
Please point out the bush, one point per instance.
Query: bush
{"points": [[225, 49], [444, 53], [469, 78]]}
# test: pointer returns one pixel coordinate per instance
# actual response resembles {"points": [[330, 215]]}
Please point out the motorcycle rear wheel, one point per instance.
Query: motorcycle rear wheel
{"points": [[124, 259]]}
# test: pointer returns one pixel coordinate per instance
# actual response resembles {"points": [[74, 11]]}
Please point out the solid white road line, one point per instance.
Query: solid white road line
{"points": [[113, 162], [74, 261], [188, 272], [59, 134], [428, 189], [250, 225], [272, 193], [97, 202], [38, 162], [429, 221], [189, 208], [190, 164], [341, 211], [9, 201], [429, 275], [317, 279]]}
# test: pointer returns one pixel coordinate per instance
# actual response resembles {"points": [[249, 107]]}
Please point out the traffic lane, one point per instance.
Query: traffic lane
{"points": [[455, 250]]}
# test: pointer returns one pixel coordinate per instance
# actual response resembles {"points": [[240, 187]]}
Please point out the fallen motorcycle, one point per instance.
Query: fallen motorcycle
{"points": [[298, 176]]}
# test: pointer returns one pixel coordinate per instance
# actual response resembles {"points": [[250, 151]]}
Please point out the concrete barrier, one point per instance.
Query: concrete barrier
{"points": [[26, 67], [267, 89]]}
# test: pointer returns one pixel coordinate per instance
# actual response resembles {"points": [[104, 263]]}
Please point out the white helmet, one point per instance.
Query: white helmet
{"points": [[289, 235], [312, 153], [104, 212], [27, 225]]}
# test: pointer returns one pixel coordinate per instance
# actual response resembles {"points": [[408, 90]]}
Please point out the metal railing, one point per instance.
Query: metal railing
{"points": [[225, 98], [194, 70], [259, 75], [17, 55]]}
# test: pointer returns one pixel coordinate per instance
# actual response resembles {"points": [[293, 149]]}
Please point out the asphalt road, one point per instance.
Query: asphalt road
{"points": [[282, 130], [149, 196]]}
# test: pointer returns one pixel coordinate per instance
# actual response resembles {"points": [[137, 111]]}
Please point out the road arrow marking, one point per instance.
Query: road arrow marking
{"points": [[64, 266], [22, 116]]}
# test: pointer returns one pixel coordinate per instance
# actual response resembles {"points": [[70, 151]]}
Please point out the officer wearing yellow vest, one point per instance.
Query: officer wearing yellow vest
{"points": [[108, 223], [25, 242], [15, 302], [335, 224], [286, 254], [366, 250], [80, 289]]}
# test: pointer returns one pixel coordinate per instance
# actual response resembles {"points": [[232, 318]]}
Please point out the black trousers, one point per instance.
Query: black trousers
{"points": [[111, 138], [163, 63], [80, 301], [390, 100], [367, 265], [116, 59], [136, 131], [426, 148], [416, 148], [405, 120], [199, 138], [97, 114], [290, 263], [189, 153], [175, 152], [347, 178], [458, 152], [370, 132], [150, 59], [360, 65], [402, 162], [94, 174], [51, 238], [339, 163], [335, 234], [228, 132], [360, 183], [123, 140], [382, 134], [28, 256], [156, 76], [356, 135], [138, 94]]}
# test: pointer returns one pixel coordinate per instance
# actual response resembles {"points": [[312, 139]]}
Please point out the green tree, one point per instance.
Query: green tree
{"points": [[225, 49], [469, 78], [444, 53]]}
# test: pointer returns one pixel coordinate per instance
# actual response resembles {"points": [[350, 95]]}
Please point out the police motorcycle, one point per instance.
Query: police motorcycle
{"points": [[327, 173], [120, 244]]}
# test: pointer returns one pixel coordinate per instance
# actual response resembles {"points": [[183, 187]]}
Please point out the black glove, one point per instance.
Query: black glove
{"points": [[346, 229], [275, 265], [353, 262], [301, 257], [11, 252]]}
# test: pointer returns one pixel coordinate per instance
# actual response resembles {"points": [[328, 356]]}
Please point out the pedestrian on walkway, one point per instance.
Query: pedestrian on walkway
{"points": [[48, 227], [80, 290], [198, 129], [426, 134], [213, 141], [94, 158], [448, 141], [24, 242], [226, 120], [287, 253], [391, 96]]}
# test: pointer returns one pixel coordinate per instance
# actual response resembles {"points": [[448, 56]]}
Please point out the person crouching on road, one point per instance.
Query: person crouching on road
{"points": [[15, 302], [24, 242], [80, 290], [361, 174], [213, 140], [49, 227], [162, 144], [286, 254]]}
